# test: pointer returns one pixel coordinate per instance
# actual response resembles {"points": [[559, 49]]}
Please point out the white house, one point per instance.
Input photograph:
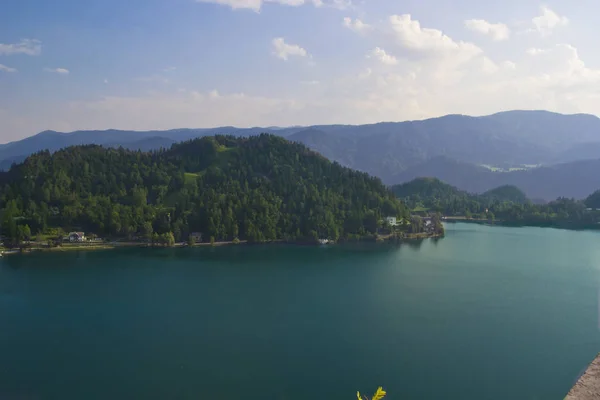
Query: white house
{"points": [[76, 237], [392, 221]]}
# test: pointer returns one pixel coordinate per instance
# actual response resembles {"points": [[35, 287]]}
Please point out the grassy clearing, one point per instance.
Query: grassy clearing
{"points": [[221, 161], [190, 177]]}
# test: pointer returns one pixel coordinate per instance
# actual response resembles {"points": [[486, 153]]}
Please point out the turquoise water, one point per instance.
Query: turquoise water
{"points": [[486, 313]]}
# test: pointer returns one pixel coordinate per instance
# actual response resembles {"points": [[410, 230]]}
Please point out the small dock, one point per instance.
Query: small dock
{"points": [[588, 385]]}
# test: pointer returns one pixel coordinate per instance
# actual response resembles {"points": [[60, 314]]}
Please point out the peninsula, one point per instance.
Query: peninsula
{"points": [[209, 190], [505, 205]]}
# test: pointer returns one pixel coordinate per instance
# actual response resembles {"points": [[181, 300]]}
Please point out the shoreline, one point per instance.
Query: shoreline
{"points": [[116, 245], [518, 224]]}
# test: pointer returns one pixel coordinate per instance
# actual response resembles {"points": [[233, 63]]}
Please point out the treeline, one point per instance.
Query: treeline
{"points": [[507, 204], [258, 189]]}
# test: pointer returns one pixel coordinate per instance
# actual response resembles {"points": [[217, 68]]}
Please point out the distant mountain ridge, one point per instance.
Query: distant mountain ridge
{"points": [[385, 148], [574, 180], [449, 147]]}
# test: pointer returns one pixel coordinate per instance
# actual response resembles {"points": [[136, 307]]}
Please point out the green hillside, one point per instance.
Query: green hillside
{"points": [[426, 188], [506, 204], [593, 200], [260, 188], [507, 193]]}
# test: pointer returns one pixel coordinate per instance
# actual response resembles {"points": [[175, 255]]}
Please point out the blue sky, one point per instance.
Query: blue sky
{"points": [[159, 64]]}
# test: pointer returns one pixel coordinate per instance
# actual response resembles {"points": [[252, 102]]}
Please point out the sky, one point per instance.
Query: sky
{"points": [[70, 65]]}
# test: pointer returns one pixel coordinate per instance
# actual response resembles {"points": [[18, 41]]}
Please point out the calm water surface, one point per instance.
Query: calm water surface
{"points": [[486, 313]]}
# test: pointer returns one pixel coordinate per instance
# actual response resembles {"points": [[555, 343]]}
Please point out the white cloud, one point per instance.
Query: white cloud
{"points": [[4, 68], [30, 47], [509, 65], [357, 25], [488, 66], [561, 66], [381, 55], [545, 23], [283, 50], [256, 5], [535, 51], [310, 83], [496, 31], [433, 52], [60, 71], [412, 36], [365, 74]]}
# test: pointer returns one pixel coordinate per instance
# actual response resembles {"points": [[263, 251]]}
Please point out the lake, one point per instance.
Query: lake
{"points": [[485, 313]]}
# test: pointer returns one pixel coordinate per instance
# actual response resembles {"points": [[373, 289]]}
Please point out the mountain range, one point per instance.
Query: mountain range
{"points": [[574, 180], [453, 148]]}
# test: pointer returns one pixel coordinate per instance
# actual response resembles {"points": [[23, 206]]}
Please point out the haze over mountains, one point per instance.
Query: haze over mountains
{"points": [[452, 148], [577, 179]]}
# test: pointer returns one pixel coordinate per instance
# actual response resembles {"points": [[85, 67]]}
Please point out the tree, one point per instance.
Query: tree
{"points": [[168, 239], [416, 224], [191, 241], [147, 231], [389, 208], [379, 395], [438, 227], [139, 197], [23, 233], [9, 224], [371, 222]]}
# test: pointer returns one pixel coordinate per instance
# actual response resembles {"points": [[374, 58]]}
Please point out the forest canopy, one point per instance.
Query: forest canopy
{"points": [[507, 204], [260, 188]]}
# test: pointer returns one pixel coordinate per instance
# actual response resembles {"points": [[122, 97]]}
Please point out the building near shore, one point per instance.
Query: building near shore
{"points": [[76, 237], [392, 221]]}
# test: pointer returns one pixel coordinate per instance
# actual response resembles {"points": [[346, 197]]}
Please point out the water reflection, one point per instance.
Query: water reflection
{"points": [[267, 253], [416, 244]]}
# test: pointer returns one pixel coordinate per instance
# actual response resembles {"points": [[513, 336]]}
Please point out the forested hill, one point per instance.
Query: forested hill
{"points": [[427, 188], [259, 188], [435, 194], [506, 203], [507, 193], [575, 179]]}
